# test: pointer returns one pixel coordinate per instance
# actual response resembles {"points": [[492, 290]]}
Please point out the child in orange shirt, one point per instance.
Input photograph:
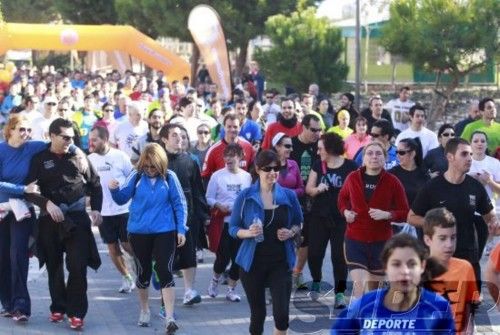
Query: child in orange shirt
{"points": [[458, 284]]}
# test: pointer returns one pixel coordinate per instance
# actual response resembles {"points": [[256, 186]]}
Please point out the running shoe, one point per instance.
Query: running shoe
{"points": [[298, 281], [231, 295], [191, 297], [213, 288], [5, 313], [75, 323], [314, 293], [144, 318], [340, 301], [19, 317], [56, 317], [127, 285], [170, 326]]}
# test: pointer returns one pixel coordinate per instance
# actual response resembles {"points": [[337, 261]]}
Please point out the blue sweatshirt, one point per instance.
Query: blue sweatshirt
{"points": [[155, 208], [247, 206], [14, 167]]}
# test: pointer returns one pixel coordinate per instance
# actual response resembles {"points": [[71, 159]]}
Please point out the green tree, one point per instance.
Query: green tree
{"points": [[450, 37], [87, 11], [305, 49], [29, 11]]}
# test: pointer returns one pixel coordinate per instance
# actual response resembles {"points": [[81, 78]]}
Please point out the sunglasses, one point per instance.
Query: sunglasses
{"points": [[66, 138], [288, 146], [203, 132], [51, 103], [23, 130], [275, 168], [109, 110], [315, 130], [375, 135], [63, 109], [403, 152], [448, 134]]}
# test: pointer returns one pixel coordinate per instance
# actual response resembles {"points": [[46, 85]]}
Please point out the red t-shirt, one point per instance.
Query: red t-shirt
{"points": [[277, 127], [214, 160]]}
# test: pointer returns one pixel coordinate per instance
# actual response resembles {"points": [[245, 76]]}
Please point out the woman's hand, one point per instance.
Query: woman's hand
{"points": [[349, 216], [378, 214], [322, 188], [285, 234], [181, 240], [113, 184], [54, 211], [254, 230], [32, 188]]}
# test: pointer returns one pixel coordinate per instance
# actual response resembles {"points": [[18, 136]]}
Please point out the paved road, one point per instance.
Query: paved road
{"points": [[113, 313]]}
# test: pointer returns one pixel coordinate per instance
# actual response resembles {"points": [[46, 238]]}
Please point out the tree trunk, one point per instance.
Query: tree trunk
{"points": [[440, 109], [195, 58], [435, 97], [241, 59], [365, 65], [393, 76]]}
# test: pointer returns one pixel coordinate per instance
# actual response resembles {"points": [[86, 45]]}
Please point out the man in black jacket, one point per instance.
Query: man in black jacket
{"points": [[189, 176], [65, 176]]}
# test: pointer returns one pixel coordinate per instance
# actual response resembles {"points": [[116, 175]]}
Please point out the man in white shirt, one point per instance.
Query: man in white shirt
{"points": [[112, 164], [271, 109], [40, 124], [32, 111], [399, 108], [428, 138], [127, 133]]}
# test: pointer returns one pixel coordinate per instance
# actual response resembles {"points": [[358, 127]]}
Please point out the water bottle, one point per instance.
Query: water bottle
{"points": [[259, 238]]}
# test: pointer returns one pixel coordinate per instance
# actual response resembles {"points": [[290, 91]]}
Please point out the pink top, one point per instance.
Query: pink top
{"points": [[353, 144], [292, 179]]}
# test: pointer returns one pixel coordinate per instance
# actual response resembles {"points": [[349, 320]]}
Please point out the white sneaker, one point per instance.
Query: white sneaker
{"points": [[232, 296], [127, 285], [213, 288], [191, 297], [144, 318]]}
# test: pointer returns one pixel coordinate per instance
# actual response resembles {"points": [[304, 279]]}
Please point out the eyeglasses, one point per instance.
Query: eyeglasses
{"points": [[287, 146], [375, 135], [203, 132], [448, 134], [315, 130], [66, 138], [23, 130], [275, 168], [403, 152]]}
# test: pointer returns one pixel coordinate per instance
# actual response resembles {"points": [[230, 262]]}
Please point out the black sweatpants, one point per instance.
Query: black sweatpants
{"points": [[159, 247], [278, 277], [228, 248], [69, 298], [322, 230]]}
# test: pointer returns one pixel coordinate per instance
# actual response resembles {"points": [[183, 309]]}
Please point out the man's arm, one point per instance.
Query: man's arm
{"points": [[414, 219]]}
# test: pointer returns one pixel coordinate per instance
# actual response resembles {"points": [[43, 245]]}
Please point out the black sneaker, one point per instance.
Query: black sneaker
{"points": [[171, 327], [19, 317]]}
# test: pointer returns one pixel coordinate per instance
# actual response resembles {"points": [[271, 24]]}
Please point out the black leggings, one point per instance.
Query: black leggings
{"points": [[159, 247], [278, 277], [322, 230], [228, 248]]}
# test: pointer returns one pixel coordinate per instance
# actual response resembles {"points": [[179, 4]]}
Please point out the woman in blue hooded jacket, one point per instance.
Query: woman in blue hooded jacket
{"points": [[266, 217]]}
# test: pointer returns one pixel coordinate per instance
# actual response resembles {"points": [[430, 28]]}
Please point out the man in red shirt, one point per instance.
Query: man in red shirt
{"points": [[287, 123], [214, 159]]}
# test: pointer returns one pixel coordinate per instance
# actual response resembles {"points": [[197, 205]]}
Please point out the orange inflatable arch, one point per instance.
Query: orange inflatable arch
{"points": [[14, 36]]}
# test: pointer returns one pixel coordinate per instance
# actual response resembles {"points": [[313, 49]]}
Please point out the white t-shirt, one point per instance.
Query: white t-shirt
{"points": [[271, 113], [125, 135], [40, 128], [399, 113], [428, 138], [113, 165], [31, 115], [224, 186], [491, 165]]}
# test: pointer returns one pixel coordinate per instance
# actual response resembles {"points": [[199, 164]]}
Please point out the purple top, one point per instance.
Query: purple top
{"points": [[290, 178]]}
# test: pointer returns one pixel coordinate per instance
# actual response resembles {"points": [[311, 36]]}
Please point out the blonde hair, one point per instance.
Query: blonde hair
{"points": [[371, 144], [155, 155], [343, 113], [14, 120]]}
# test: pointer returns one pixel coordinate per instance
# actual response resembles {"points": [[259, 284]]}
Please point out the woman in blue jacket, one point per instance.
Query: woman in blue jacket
{"points": [[266, 217], [15, 156], [156, 225]]}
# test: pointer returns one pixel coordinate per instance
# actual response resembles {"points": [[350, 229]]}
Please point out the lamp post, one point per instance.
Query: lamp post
{"points": [[358, 57]]}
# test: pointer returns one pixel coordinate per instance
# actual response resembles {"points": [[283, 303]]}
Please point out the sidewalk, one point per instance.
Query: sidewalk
{"points": [[113, 313]]}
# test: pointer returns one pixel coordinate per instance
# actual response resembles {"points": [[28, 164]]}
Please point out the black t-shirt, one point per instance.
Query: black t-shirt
{"points": [[370, 182], [462, 200], [272, 249], [412, 181], [304, 155], [435, 160], [325, 204]]}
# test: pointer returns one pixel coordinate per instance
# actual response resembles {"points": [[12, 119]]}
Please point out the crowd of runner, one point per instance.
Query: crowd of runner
{"points": [[263, 180]]}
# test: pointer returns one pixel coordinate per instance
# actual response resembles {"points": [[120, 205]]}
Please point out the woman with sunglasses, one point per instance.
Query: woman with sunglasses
{"points": [[410, 171], [370, 200], [156, 226], [327, 223], [485, 169], [435, 161], [266, 217], [289, 175], [202, 144], [15, 156]]}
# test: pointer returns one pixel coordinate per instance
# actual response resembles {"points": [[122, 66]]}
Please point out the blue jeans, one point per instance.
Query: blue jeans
{"points": [[14, 263]]}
